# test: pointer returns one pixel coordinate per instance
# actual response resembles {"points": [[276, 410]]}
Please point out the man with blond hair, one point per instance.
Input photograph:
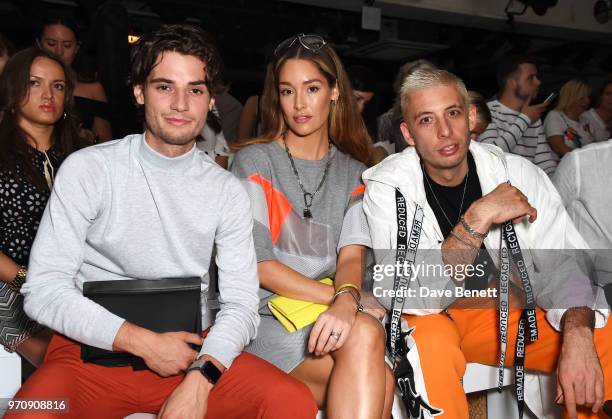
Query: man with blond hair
{"points": [[444, 200]]}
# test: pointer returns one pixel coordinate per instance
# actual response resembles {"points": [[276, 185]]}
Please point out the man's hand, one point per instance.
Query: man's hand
{"points": [[533, 112], [498, 206], [165, 353], [189, 400], [579, 374]]}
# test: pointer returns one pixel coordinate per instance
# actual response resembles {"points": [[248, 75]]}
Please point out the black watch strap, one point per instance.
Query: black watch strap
{"points": [[208, 370]]}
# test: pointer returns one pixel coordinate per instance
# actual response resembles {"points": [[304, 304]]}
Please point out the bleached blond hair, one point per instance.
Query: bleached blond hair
{"points": [[571, 92], [428, 77]]}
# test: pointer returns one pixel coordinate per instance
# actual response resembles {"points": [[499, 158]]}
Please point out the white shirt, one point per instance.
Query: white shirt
{"points": [[583, 181], [574, 133], [596, 125]]}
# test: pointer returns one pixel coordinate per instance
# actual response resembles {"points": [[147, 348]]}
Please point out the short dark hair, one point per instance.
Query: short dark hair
{"points": [[510, 67], [184, 39]]}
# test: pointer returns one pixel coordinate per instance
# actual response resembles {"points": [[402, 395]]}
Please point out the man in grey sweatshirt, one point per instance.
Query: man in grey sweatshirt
{"points": [[151, 206]]}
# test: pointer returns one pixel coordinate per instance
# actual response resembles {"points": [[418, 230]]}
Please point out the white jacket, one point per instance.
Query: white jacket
{"points": [[553, 229]]}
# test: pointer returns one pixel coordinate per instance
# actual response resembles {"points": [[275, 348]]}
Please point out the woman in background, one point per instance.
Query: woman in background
{"points": [[38, 130], [563, 129], [59, 37], [303, 175], [599, 119]]}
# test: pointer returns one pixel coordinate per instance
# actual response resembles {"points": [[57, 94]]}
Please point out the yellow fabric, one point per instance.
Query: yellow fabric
{"points": [[296, 314]]}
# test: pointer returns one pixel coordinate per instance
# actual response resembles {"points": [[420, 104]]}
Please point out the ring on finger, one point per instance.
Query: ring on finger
{"points": [[335, 335]]}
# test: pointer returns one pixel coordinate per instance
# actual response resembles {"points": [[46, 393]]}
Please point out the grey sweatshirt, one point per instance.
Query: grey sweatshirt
{"points": [[120, 211]]}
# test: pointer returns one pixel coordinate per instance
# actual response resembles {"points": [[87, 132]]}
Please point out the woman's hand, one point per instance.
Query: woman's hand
{"points": [[333, 326]]}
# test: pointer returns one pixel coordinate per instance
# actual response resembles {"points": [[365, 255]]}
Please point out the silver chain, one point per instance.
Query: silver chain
{"points": [[438, 202], [308, 197]]}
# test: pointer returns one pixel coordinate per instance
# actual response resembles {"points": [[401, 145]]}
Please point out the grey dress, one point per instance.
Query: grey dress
{"points": [[309, 246]]}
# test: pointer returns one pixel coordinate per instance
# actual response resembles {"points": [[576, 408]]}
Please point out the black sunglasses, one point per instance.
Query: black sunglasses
{"points": [[309, 41]]}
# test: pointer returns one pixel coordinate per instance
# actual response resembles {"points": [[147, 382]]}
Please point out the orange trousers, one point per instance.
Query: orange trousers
{"points": [[446, 343], [251, 388]]}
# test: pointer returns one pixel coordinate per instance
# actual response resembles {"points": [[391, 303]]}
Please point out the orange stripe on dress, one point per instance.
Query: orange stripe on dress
{"points": [[358, 190], [279, 206]]}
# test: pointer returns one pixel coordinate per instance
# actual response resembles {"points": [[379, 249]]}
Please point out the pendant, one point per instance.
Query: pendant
{"points": [[307, 213], [308, 199]]}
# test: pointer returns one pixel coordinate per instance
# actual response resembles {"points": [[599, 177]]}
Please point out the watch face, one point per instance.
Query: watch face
{"points": [[211, 372]]}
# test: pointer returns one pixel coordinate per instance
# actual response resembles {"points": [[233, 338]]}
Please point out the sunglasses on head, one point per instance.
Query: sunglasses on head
{"points": [[310, 42]]}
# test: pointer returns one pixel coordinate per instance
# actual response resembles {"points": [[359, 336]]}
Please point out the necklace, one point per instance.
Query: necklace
{"points": [[308, 197], [426, 176], [49, 172]]}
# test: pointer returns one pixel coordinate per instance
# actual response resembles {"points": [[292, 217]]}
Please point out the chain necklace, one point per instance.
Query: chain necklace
{"points": [[426, 176], [308, 197]]}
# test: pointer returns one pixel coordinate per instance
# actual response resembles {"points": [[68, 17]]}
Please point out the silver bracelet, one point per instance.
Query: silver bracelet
{"points": [[471, 231], [462, 240], [345, 291]]}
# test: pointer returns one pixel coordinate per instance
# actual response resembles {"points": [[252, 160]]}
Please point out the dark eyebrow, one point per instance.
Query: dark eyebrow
{"points": [[40, 78], [161, 80], [304, 82], [168, 81]]}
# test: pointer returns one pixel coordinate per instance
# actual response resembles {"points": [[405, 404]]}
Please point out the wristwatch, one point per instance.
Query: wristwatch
{"points": [[19, 279], [208, 370]]}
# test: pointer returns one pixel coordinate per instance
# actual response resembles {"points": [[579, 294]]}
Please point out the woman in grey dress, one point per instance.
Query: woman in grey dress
{"points": [[303, 175]]}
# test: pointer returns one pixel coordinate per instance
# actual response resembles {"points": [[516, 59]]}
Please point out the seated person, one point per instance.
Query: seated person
{"points": [[151, 206], [583, 181], [303, 178], [599, 119], [563, 130], [37, 132], [212, 141], [452, 196], [59, 36], [515, 125], [483, 114]]}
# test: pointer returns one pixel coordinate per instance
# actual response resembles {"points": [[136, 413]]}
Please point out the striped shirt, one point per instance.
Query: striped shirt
{"points": [[514, 133]]}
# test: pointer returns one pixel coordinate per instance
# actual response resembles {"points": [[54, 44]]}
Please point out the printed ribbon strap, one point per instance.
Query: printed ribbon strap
{"points": [[405, 255], [528, 315]]}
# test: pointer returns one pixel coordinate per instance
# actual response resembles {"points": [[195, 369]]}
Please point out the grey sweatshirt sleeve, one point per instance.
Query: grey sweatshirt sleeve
{"points": [[52, 297], [237, 321]]}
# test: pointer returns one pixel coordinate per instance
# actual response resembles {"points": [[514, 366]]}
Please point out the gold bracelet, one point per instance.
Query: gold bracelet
{"points": [[345, 291], [19, 279], [347, 285]]}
